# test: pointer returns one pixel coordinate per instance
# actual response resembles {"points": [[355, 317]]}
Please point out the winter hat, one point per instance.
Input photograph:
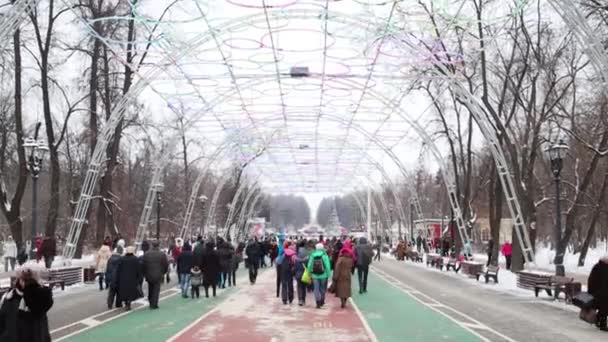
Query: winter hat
{"points": [[319, 246]]}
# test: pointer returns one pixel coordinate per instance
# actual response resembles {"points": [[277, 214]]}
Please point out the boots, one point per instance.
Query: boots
{"points": [[602, 323]]}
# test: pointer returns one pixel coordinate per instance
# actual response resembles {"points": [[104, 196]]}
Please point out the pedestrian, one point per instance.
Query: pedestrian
{"points": [[155, 267], [196, 280], [401, 250], [9, 251], [598, 287], [236, 260], [280, 255], [49, 251], [274, 252], [419, 244], [253, 253], [342, 274], [287, 269], [378, 250], [301, 263], [225, 252], [108, 242], [265, 247], [335, 253], [101, 264], [38, 248], [210, 266], [23, 310], [490, 251], [365, 254], [185, 263], [128, 277], [176, 251], [320, 269], [507, 251], [110, 275]]}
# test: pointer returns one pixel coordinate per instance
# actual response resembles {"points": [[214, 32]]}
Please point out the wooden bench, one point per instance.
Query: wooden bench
{"points": [[53, 283], [559, 284], [471, 268], [535, 281], [413, 256], [490, 273], [453, 264]]}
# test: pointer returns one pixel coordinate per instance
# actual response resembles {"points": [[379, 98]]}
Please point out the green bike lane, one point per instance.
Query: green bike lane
{"points": [[175, 313], [394, 315], [388, 314]]}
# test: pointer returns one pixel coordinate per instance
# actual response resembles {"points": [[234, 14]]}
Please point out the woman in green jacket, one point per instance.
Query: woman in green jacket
{"points": [[320, 270]]}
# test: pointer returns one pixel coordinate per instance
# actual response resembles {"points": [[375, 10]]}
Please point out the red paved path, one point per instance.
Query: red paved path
{"points": [[254, 314]]}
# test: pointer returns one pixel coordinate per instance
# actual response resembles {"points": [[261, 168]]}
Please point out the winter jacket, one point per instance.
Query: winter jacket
{"points": [[210, 264], [101, 259], [323, 255], [155, 265], [598, 284], [507, 249], [226, 254], [342, 275], [288, 266], [128, 278], [301, 262], [253, 252], [364, 252], [185, 262], [111, 268], [280, 247], [196, 278], [49, 247], [30, 325], [10, 249]]}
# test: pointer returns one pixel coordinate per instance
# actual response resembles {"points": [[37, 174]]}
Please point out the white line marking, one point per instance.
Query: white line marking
{"points": [[433, 307], [208, 313], [87, 321], [368, 329]]}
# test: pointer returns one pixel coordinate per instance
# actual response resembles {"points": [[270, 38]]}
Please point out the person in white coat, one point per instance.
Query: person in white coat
{"points": [[9, 253], [101, 263]]}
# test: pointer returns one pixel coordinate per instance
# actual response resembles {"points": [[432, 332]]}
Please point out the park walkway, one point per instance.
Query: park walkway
{"points": [[253, 313]]}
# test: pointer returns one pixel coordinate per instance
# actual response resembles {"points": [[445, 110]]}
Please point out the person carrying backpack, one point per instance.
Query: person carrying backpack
{"points": [[320, 270], [365, 254]]}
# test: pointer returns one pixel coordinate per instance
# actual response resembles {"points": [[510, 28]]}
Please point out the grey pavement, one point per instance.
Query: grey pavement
{"points": [[519, 318]]}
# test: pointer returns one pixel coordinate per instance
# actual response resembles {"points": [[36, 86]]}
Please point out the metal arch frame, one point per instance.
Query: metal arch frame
{"points": [[14, 17], [216, 195], [119, 112], [234, 202], [405, 173]]}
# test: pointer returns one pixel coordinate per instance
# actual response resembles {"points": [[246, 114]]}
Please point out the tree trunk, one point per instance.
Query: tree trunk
{"points": [[591, 230], [495, 200]]}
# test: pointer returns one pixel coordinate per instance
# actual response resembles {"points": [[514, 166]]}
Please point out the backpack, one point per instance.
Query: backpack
{"points": [[318, 267]]}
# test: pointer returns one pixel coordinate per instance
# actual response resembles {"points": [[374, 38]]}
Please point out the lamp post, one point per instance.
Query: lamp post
{"points": [[35, 150], [203, 200], [557, 153], [160, 187]]}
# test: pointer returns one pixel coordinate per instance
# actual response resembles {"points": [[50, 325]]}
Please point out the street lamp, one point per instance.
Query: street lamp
{"points": [[160, 187], [203, 200], [557, 153], [35, 150]]}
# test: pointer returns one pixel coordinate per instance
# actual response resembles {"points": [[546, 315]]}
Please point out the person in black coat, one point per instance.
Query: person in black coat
{"points": [[23, 310], [155, 266], [111, 275], [598, 287], [185, 262], [128, 278], [254, 253], [226, 254], [210, 266]]}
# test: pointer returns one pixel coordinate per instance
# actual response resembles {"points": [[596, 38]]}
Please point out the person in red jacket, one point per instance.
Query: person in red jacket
{"points": [[507, 251], [38, 245]]}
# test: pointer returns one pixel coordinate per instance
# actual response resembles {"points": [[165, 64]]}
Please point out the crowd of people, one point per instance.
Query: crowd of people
{"points": [[45, 249]]}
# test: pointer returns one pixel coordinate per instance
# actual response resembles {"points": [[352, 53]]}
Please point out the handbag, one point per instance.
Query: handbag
{"points": [[583, 300], [332, 287], [588, 315], [306, 278]]}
